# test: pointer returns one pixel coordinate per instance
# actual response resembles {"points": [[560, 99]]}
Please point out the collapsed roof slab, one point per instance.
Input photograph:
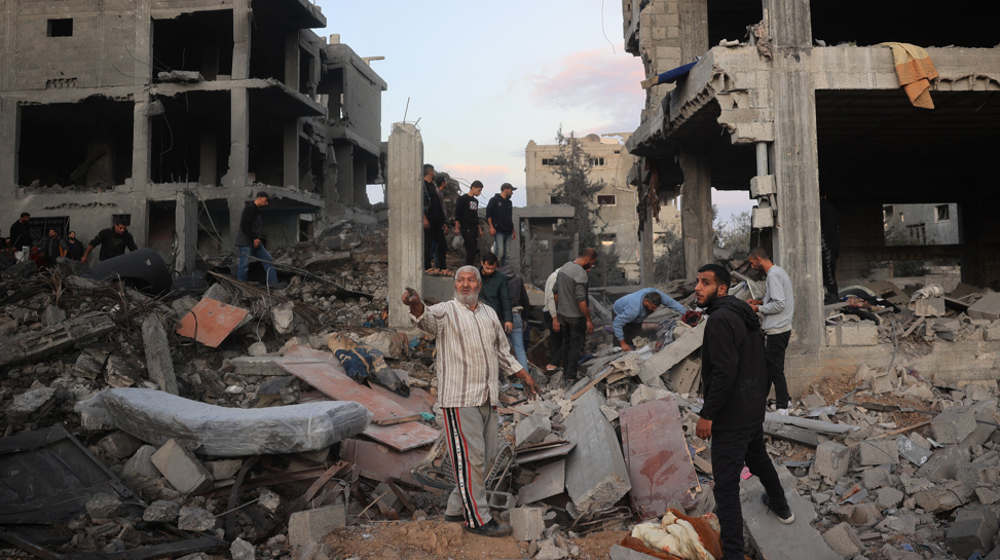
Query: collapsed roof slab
{"points": [[269, 94]]}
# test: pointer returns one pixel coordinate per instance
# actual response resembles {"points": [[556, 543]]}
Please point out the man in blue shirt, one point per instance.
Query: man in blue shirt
{"points": [[631, 310]]}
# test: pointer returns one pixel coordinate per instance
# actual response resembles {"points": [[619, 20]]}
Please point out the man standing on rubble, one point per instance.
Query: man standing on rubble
{"points": [[734, 379], [521, 308], [467, 221], [113, 242], [472, 350], [550, 315], [20, 232], [436, 217], [75, 247], [573, 309], [495, 291], [630, 311], [777, 307], [500, 216], [249, 243], [52, 247]]}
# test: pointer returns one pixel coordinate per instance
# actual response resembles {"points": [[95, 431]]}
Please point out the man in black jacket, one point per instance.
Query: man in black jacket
{"points": [[248, 240], [435, 224], [467, 221], [500, 216], [734, 376], [20, 232], [113, 242]]}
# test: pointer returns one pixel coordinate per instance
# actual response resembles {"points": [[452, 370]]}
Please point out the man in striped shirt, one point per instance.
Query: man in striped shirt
{"points": [[472, 350]]}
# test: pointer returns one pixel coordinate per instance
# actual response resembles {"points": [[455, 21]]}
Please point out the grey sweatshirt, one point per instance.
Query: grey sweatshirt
{"points": [[779, 302], [571, 287]]}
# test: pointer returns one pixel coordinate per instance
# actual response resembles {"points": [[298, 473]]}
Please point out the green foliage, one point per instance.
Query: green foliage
{"points": [[670, 265], [732, 234]]}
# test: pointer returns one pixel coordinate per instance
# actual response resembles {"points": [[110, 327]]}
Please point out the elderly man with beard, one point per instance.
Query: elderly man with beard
{"points": [[472, 350], [734, 378]]}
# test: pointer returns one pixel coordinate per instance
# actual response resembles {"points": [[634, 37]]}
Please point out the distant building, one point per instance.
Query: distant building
{"points": [[921, 224], [616, 222]]}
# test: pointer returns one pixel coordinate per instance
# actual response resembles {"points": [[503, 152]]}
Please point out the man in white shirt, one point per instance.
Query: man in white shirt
{"points": [[555, 338], [472, 349]]}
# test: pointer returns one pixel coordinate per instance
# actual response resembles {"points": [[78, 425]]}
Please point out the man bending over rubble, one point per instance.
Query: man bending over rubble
{"points": [[735, 383], [472, 349]]}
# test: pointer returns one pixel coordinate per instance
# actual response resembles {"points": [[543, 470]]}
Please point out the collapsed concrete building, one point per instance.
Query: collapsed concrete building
{"points": [[170, 115], [791, 119]]}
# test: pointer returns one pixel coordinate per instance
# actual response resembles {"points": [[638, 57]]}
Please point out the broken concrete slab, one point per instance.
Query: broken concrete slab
{"points": [[103, 506], [943, 497], [972, 531], [832, 459], [843, 539], [139, 467], [36, 345], [876, 478], [596, 474], [313, 525], [865, 514], [550, 481], [978, 474], [889, 498], [527, 523], [195, 519], [162, 511], [33, 403], [157, 349], [988, 307], [943, 464], [912, 451], [181, 468], [119, 445], [619, 552], [670, 355], [52, 316], [929, 307], [878, 452], [953, 425], [532, 429]]}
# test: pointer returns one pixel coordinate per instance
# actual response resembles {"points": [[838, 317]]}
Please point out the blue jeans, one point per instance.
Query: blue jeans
{"points": [[261, 254], [501, 247], [516, 338]]}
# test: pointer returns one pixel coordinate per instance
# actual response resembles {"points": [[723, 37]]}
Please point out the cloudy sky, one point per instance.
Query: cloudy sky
{"points": [[484, 78]]}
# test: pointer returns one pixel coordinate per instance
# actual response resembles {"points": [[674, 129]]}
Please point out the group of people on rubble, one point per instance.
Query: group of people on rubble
{"points": [[44, 249], [743, 352]]}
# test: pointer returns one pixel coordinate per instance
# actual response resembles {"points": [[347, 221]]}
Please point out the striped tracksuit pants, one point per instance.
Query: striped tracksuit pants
{"points": [[472, 445]]}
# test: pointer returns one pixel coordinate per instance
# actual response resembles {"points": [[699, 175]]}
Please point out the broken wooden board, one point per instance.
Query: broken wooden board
{"points": [[403, 437], [658, 459], [379, 462], [551, 480], [590, 384], [671, 355], [211, 321]]}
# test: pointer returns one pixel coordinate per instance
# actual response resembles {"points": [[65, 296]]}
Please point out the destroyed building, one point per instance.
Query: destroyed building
{"points": [[795, 101], [170, 115], [616, 202]]}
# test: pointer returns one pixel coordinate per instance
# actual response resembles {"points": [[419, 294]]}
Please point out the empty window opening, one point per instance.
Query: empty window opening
{"points": [[213, 228], [553, 199], [199, 42], [548, 161], [607, 239], [60, 28], [941, 213], [607, 200], [189, 141], [162, 235], [39, 226]]}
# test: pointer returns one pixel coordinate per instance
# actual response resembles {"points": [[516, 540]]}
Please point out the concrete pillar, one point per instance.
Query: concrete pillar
{"points": [[404, 196], [10, 133], [292, 59], [239, 143], [142, 50], [647, 260], [345, 173], [528, 268], [140, 144], [692, 18], [208, 167], [361, 183], [290, 155], [241, 40], [795, 167], [696, 209], [186, 227], [515, 244]]}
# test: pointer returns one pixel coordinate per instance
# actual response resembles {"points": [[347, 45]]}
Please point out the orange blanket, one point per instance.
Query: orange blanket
{"points": [[915, 72]]}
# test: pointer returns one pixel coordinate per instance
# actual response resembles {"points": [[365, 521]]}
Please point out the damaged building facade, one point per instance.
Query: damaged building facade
{"points": [[170, 115], [799, 101]]}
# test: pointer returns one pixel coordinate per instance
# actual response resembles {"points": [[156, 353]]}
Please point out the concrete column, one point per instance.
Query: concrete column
{"points": [[290, 156], [292, 59], [515, 244], [140, 144], [142, 51], [692, 16], [10, 133], [528, 269], [186, 226], [345, 173], [696, 209], [361, 183], [795, 167], [239, 143], [404, 196], [208, 167], [241, 40], [647, 260]]}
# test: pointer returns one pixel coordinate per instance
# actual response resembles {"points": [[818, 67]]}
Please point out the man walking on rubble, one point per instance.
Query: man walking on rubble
{"points": [[472, 350], [249, 243], [500, 216], [777, 307], [113, 242], [573, 309], [467, 221], [629, 312], [734, 379]]}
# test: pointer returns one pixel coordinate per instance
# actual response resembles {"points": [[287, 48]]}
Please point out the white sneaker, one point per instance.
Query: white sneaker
{"points": [[783, 411]]}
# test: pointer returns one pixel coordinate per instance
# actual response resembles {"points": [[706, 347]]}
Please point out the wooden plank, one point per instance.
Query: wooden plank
{"points": [[392, 421], [211, 321], [551, 481], [913, 326], [658, 459], [403, 437], [601, 377], [379, 462]]}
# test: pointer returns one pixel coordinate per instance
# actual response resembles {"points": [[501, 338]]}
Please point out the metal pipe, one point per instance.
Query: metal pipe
{"points": [[762, 159]]}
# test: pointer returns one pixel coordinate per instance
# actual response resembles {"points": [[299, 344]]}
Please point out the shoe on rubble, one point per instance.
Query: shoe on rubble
{"points": [[491, 529], [785, 516]]}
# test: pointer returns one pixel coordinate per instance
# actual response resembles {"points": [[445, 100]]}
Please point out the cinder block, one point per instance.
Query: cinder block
{"points": [[832, 459], [119, 445], [930, 307], [843, 539], [889, 498], [502, 501], [878, 452], [988, 307], [975, 475], [527, 523], [912, 451], [140, 466], [224, 469], [944, 463], [953, 425], [596, 475], [532, 429], [972, 531], [312, 525], [181, 468], [864, 333]]}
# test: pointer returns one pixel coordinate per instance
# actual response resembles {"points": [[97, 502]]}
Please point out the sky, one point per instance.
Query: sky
{"points": [[481, 79]]}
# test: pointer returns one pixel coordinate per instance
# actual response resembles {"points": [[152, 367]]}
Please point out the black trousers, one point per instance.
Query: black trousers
{"points": [[774, 357], [556, 349], [432, 235], [574, 331], [730, 451], [829, 263], [470, 234]]}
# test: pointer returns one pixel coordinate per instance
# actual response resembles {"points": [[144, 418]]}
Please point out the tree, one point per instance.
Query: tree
{"points": [[733, 234], [572, 166], [670, 265]]}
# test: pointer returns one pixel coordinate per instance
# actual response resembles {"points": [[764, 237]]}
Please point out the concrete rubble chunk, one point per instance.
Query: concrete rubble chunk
{"points": [[527, 523], [929, 307], [532, 429], [119, 445], [876, 478], [878, 452], [972, 531], [943, 464], [224, 469], [32, 403], [864, 514], [953, 425], [312, 525], [195, 519], [139, 467], [284, 318], [269, 500], [37, 345], [52, 316], [864, 333], [619, 552], [162, 511], [645, 393], [889, 498], [103, 506], [242, 550], [911, 451], [906, 524], [670, 355], [181, 468], [157, 349], [832, 459], [988, 496], [943, 497], [843, 539], [257, 349], [988, 307], [596, 474], [548, 550], [978, 474]]}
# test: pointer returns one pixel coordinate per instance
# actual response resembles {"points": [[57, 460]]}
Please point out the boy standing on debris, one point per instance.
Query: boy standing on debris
{"points": [[777, 307], [248, 240], [472, 349], [734, 378]]}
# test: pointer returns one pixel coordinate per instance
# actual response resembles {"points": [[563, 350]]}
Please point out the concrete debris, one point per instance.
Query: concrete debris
{"points": [[195, 519]]}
